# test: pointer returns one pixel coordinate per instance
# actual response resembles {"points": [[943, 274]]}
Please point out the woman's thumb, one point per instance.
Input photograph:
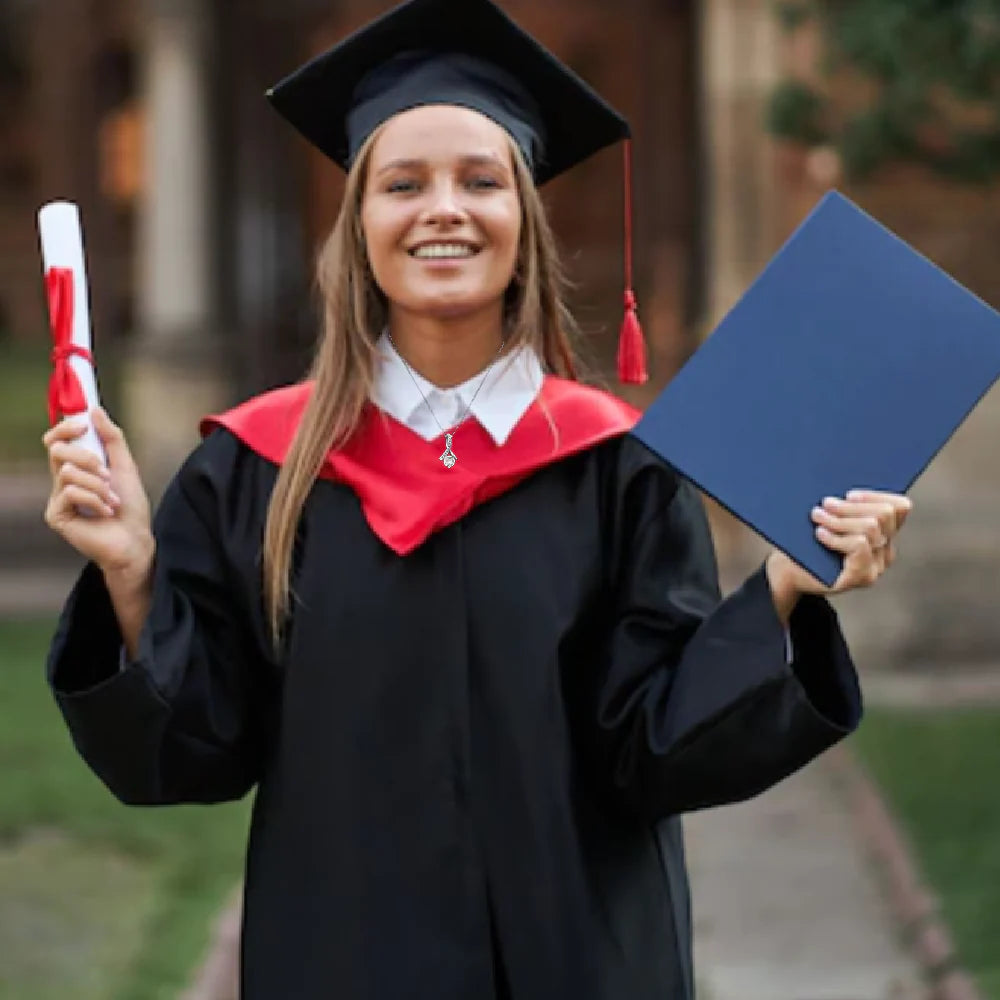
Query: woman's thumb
{"points": [[111, 437]]}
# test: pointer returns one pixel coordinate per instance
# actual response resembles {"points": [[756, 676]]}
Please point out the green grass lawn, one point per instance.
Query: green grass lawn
{"points": [[24, 373], [941, 772], [97, 900]]}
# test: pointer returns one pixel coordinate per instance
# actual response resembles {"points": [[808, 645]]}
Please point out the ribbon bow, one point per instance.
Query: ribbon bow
{"points": [[66, 395]]}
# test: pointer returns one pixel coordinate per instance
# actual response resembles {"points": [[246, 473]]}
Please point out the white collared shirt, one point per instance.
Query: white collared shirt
{"points": [[509, 386]]}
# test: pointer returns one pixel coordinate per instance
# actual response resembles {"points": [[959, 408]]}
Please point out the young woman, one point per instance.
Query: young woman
{"points": [[461, 631]]}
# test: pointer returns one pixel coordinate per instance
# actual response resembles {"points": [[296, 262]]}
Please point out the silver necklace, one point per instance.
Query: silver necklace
{"points": [[447, 456]]}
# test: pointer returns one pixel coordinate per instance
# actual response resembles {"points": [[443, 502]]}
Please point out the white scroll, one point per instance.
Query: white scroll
{"points": [[61, 240]]}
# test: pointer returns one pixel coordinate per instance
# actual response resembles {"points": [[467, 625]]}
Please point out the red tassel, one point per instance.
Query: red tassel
{"points": [[631, 343], [631, 346]]}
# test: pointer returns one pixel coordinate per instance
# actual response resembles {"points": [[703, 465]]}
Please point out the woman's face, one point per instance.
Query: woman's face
{"points": [[441, 213]]}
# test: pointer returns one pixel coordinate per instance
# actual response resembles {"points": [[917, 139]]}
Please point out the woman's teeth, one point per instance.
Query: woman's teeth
{"points": [[443, 250]]}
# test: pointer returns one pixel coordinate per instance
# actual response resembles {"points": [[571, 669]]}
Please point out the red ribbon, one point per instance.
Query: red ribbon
{"points": [[66, 395]]}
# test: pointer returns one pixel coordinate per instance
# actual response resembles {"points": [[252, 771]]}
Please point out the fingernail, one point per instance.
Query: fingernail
{"points": [[818, 512], [831, 502], [855, 494], [105, 473], [114, 498]]}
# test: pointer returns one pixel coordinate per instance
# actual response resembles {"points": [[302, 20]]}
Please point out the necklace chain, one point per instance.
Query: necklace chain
{"points": [[448, 456]]}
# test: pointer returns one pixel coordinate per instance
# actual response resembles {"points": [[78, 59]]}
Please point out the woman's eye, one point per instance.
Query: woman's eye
{"points": [[402, 186], [483, 183]]}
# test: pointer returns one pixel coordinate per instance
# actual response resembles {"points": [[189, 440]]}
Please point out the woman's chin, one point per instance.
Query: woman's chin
{"points": [[453, 307]]}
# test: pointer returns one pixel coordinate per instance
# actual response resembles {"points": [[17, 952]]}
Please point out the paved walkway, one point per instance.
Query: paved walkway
{"points": [[958, 688], [786, 906]]}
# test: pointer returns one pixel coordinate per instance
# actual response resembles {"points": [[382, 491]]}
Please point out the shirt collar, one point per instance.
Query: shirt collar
{"points": [[511, 385]]}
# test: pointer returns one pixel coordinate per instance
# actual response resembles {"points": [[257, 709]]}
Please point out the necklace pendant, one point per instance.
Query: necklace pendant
{"points": [[448, 457]]}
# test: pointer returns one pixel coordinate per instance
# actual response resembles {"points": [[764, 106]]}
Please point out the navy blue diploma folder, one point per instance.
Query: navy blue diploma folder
{"points": [[849, 362]]}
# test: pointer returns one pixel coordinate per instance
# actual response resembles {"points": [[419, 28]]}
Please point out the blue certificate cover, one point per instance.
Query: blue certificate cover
{"points": [[849, 362]]}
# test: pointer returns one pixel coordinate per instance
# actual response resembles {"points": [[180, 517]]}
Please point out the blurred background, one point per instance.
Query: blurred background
{"points": [[202, 215]]}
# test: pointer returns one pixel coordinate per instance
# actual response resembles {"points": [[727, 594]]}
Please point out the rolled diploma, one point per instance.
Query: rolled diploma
{"points": [[61, 239]]}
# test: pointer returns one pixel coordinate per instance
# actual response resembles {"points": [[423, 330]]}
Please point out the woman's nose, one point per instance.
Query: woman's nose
{"points": [[445, 204]]}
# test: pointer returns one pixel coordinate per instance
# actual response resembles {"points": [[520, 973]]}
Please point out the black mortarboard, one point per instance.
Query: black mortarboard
{"points": [[471, 54]]}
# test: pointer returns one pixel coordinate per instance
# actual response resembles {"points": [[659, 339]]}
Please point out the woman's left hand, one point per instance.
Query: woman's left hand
{"points": [[862, 527]]}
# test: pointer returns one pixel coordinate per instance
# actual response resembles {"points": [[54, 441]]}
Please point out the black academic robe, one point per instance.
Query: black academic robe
{"points": [[470, 759]]}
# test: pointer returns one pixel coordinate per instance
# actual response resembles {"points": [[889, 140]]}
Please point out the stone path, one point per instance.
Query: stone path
{"points": [[218, 976], [958, 688], [785, 903]]}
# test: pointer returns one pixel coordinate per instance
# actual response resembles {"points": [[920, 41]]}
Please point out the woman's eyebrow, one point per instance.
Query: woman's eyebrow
{"points": [[405, 164], [482, 160], [472, 159]]}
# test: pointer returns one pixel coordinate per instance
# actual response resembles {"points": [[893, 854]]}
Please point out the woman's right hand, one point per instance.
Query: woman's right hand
{"points": [[117, 536]]}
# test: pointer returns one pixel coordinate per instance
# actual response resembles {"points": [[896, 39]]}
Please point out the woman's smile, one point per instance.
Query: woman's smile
{"points": [[441, 251], [444, 256]]}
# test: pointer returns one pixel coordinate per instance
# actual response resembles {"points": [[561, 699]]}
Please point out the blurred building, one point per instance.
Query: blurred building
{"points": [[203, 212]]}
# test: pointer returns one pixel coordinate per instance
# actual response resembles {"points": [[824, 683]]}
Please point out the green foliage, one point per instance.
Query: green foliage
{"points": [[795, 111], [167, 870], [792, 13], [938, 770], [935, 68]]}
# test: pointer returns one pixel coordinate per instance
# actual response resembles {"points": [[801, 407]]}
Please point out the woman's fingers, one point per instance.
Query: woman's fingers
{"points": [[862, 527], [113, 439], [72, 475], [70, 500], [869, 526], [845, 544], [901, 505], [65, 431], [82, 458], [881, 510], [68, 429], [862, 564]]}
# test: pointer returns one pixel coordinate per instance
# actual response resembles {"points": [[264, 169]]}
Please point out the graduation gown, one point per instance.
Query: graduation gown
{"points": [[491, 708]]}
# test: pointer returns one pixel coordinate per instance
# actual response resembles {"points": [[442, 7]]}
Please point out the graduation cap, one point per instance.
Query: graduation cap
{"points": [[467, 53]]}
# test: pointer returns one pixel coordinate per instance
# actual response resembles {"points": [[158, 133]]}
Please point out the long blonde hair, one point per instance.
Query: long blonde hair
{"points": [[342, 371]]}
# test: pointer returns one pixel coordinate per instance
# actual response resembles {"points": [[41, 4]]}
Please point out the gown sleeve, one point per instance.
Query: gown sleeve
{"points": [[183, 722], [697, 701]]}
